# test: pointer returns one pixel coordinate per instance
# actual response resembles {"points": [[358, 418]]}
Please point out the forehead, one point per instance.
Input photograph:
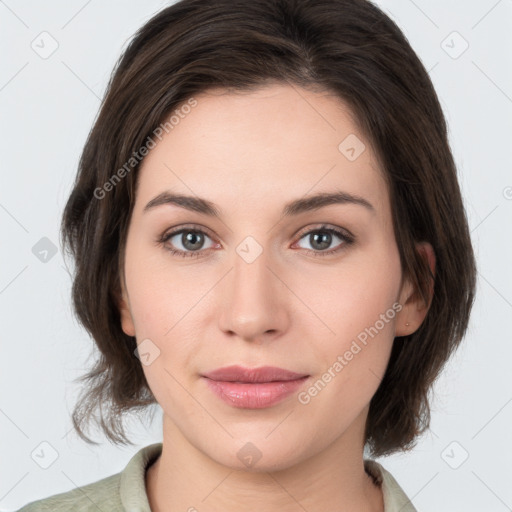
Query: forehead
{"points": [[275, 143]]}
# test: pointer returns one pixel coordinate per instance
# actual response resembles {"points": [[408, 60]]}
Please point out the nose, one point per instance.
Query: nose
{"points": [[254, 300]]}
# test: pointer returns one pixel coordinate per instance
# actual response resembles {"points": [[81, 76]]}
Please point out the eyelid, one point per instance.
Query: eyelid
{"points": [[299, 234], [324, 226], [187, 227]]}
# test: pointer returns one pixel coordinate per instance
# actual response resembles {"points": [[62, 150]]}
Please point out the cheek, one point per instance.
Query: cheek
{"points": [[351, 297], [155, 294], [162, 314], [355, 351], [357, 306], [166, 306]]}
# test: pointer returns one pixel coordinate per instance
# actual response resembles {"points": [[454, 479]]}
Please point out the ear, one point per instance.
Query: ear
{"points": [[127, 323], [414, 310]]}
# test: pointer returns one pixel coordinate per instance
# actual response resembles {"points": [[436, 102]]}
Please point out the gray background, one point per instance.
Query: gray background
{"points": [[47, 107]]}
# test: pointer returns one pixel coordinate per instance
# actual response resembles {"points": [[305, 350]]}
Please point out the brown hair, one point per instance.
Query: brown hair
{"points": [[348, 47]]}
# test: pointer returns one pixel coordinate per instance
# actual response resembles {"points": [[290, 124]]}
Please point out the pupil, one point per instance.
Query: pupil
{"points": [[192, 240]]}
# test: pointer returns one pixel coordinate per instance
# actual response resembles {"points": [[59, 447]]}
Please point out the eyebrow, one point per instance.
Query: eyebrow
{"points": [[296, 207]]}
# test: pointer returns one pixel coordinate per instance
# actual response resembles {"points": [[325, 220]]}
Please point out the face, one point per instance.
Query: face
{"points": [[315, 291]]}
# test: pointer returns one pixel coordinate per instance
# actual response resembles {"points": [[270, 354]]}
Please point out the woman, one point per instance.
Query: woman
{"points": [[270, 243]]}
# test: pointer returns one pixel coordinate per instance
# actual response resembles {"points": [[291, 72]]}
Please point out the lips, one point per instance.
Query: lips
{"points": [[242, 374], [254, 388]]}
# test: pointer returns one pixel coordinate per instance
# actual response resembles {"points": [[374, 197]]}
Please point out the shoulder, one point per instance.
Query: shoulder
{"points": [[125, 490], [100, 495]]}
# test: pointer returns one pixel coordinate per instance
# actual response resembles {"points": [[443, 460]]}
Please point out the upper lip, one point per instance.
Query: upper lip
{"points": [[262, 374]]}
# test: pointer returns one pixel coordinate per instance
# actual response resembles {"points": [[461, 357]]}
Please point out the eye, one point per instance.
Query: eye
{"points": [[189, 242], [322, 237]]}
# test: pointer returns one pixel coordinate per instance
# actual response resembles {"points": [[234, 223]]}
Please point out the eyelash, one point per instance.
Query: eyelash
{"points": [[348, 239]]}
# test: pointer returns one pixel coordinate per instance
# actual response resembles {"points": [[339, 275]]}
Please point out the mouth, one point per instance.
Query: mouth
{"points": [[262, 374], [256, 388]]}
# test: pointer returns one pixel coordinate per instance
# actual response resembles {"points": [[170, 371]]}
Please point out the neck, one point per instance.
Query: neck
{"points": [[186, 478]]}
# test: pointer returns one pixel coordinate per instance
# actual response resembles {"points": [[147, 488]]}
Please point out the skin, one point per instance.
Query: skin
{"points": [[250, 154]]}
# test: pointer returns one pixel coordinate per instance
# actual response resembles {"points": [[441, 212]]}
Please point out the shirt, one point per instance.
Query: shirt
{"points": [[126, 491]]}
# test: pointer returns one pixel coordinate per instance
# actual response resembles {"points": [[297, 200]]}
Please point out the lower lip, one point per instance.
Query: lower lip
{"points": [[254, 396]]}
